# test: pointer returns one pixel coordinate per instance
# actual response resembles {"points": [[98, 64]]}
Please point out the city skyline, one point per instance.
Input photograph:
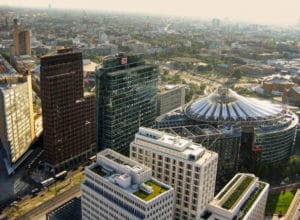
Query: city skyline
{"points": [[266, 12]]}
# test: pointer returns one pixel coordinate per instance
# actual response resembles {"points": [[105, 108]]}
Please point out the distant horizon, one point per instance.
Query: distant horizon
{"points": [[267, 12]]}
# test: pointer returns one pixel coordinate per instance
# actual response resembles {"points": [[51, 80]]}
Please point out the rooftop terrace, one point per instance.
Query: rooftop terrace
{"points": [[157, 190], [132, 177]]}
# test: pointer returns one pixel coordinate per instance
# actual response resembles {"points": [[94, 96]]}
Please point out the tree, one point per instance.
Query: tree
{"points": [[238, 73]]}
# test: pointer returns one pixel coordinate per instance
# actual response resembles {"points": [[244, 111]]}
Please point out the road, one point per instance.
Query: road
{"points": [[39, 213]]}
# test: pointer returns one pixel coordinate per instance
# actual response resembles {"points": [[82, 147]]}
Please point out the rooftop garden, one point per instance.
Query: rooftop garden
{"points": [[279, 203], [157, 190], [251, 200], [99, 170], [237, 193], [229, 186]]}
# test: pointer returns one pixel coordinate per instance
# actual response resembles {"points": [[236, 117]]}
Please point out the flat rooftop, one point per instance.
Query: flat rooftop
{"points": [[6, 70], [173, 142], [132, 68], [237, 197], [125, 173]]}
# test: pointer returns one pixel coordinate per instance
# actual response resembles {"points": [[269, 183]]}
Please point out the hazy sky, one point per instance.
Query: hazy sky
{"points": [[262, 11]]}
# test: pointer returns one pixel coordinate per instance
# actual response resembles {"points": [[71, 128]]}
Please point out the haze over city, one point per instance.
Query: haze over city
{"points": [[153, 110], [255, 11]]}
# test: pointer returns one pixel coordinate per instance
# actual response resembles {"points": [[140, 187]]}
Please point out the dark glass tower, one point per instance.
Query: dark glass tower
{"points": [[68, 113], [126, 94]]}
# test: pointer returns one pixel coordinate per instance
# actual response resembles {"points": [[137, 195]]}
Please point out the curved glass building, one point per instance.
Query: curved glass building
{"points": [[272, 126], [263, 132]]}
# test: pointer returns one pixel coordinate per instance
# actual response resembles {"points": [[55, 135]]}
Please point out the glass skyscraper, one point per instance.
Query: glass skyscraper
{"points": [[126, 93]]}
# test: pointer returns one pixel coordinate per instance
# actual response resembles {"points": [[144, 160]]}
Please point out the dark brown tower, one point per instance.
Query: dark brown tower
{"points": [[68, 115], [16, 37], [24, 43]]}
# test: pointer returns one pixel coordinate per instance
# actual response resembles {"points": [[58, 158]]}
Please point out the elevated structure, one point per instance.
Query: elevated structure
{"points": [[68, 112], [225, 105], [176, 161], [244, 198], [126, 93], [116, 187]]}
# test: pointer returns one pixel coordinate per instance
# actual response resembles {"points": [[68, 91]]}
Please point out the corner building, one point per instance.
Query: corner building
{"points": [[68, 112], [126, 93], [116, 187], [188, 167]]}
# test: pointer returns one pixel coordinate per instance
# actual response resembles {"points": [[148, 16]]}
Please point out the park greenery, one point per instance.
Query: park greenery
{"points": [[279, 203]]}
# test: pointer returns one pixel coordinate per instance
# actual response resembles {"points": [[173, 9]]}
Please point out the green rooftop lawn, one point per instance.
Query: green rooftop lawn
{"points": [[157, 190], [98, 170], [251, 200], [228, 187], [279, 203], [237, 193]]}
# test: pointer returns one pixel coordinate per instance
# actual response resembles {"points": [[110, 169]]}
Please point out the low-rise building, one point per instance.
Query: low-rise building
{"points": [[276, 85], [292, 97], [244, 197], [117, 187]]}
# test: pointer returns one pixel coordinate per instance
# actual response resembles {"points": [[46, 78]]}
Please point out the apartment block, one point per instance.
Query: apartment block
{"points": [[244, 197], [116, 187], [186, 166]]}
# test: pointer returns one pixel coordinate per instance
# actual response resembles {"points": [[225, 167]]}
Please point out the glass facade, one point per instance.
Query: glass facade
{"points": [[126, 99]]}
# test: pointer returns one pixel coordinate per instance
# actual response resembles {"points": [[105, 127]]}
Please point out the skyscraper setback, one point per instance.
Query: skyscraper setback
{"points": [[68, 112], [126, 93]]}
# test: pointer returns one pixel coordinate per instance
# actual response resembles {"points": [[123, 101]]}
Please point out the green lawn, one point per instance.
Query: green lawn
{"points": [[157, 190], [279, 203]]}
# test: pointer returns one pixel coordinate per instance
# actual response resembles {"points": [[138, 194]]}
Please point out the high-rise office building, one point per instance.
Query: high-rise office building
{"points": [[16, 38], [116, 187], [186, 166], [21, 41], [244, 197], [16, 115], [68, 112], [126, 93], [24, 43]]}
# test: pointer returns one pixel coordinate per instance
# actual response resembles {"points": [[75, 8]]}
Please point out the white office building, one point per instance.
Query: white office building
{"points": [[186, 166], [116, 187], [244, 197]]}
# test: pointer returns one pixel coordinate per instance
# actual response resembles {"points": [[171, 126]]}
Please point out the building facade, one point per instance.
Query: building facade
{"points": [[169, 98], [126, 93], [116, 187], [16, 115], [68, 112], [24, 43], [180, 163], [244, 197]]}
